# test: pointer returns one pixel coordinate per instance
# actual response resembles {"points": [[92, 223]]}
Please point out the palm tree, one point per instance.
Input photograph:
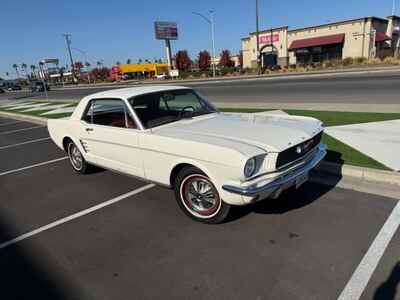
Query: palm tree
{"points": [[33, 68], [87, 65], [99, 64], [15, 66], [41, 71], [128, 61], [24, 66], [117, 63]]}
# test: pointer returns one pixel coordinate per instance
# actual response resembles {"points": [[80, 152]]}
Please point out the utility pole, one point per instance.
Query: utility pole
{"points": [[68, 41], [394, 7], [258, 38]]}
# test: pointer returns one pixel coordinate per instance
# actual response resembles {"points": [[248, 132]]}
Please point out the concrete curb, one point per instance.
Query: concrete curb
{"points": [[20, 117], [360, 173], [343, 71]]}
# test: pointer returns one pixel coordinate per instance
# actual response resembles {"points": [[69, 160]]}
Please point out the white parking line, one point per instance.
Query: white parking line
{"points": [[24, 143], [11, 123], [75, 216], [18, 130], [33, 166], [359, 280]]}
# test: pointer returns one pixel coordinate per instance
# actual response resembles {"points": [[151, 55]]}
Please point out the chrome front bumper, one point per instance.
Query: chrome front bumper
{"points": [[284, 181]]}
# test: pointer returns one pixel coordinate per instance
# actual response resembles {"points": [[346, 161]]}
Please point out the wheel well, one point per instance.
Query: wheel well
{"points": [[175, 172], [65, 142]]}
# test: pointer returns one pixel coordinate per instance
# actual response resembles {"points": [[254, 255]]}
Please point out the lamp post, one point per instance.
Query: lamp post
{"points": [[211, 22], [258, 38], [85, 63]]}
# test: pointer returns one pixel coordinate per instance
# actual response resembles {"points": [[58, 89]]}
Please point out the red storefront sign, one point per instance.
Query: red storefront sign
{"points": [[266, 39]]}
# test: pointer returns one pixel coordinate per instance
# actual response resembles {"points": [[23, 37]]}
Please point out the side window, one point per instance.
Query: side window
{"points": [[110, 112], [87, 116]]}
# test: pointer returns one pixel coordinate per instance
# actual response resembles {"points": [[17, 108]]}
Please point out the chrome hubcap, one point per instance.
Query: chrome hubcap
{"points": [[200, 195], [75, 157]]}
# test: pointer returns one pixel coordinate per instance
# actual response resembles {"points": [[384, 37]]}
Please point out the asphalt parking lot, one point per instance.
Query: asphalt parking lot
{"points": [[107, 236]]}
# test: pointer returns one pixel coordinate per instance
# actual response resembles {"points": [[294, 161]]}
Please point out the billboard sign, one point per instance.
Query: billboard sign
{"points": [[166, 30], [266, 39]]}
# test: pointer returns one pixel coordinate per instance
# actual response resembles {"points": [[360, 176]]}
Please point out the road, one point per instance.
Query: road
{"points": [[107, 236], [378, 91]]}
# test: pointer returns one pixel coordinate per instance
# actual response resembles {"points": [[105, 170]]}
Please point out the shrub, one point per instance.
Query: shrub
{"points": [[348, 61], [227, 70], [391, 61], [360, 60], [374, 61]]}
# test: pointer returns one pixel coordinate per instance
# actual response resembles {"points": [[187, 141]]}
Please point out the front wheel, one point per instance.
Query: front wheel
{"points": [[76, 159], [198, 198]]}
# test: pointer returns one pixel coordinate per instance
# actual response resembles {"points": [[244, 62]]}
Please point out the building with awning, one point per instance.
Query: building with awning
{"points": [[368, 37]]}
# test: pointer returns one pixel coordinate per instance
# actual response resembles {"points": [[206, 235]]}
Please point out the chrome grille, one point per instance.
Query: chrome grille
{"points": [[298, 151]]}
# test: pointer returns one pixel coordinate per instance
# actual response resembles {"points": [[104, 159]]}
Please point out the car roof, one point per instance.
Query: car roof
{"points": [[127, 93]]}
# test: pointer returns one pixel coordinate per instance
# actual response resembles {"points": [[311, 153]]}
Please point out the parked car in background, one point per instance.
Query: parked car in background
{"points": [[162, 76], [14, 87], [174, 137], [38, 86]]}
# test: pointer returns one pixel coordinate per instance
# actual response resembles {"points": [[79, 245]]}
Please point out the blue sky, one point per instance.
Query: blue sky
{"points": [[121, 29]]}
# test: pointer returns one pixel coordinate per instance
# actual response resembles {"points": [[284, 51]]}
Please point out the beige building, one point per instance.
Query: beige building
{"points": [[368, 37]]}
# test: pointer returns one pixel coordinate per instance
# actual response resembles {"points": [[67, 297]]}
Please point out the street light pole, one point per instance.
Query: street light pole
{"points": [[394, 8], [213, 39], [68, 41], [258, 38], [211, 22], [85, 62]]}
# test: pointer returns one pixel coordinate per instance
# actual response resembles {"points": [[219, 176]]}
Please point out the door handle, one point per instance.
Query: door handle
{"points": [[89, 129]]}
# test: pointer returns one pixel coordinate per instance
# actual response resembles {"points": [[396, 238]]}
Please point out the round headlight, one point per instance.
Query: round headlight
{"points": [[250, 167]]}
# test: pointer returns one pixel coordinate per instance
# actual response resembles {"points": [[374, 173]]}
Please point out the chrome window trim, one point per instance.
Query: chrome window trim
{"points": [[126, 107]]}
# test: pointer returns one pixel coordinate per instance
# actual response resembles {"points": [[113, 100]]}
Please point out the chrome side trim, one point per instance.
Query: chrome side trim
{"points": [[280, 181]]}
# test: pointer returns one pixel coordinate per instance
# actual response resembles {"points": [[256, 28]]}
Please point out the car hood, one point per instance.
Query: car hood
{"points": [[271, 133]]}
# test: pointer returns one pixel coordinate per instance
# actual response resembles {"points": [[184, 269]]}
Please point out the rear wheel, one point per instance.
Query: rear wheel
{"points": [[76, 159], [198, 198]]}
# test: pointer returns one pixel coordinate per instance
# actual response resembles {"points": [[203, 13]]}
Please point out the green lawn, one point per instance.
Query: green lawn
{"points": [[37, 113], [338, 152], [345, 118]]}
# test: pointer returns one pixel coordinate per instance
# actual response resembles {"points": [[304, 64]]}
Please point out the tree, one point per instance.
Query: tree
{"points": [[24, 66], [241, 59], [117, 63], [225, 60], [15, 66], [128, 61], [78, 66], [140, 61], [182, 60], [99, 64], [33, 69], [100, 73], [204, 60]]}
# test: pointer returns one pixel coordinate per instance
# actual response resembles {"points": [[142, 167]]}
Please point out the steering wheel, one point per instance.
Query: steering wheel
{"points": [[183, 110]]}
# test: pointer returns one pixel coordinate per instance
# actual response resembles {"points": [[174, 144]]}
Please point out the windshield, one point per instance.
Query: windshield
{"points": [[160, 108]]}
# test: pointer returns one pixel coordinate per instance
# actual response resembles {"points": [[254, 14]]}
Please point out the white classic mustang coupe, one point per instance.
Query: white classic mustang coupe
{"points": [[174, 137]]}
